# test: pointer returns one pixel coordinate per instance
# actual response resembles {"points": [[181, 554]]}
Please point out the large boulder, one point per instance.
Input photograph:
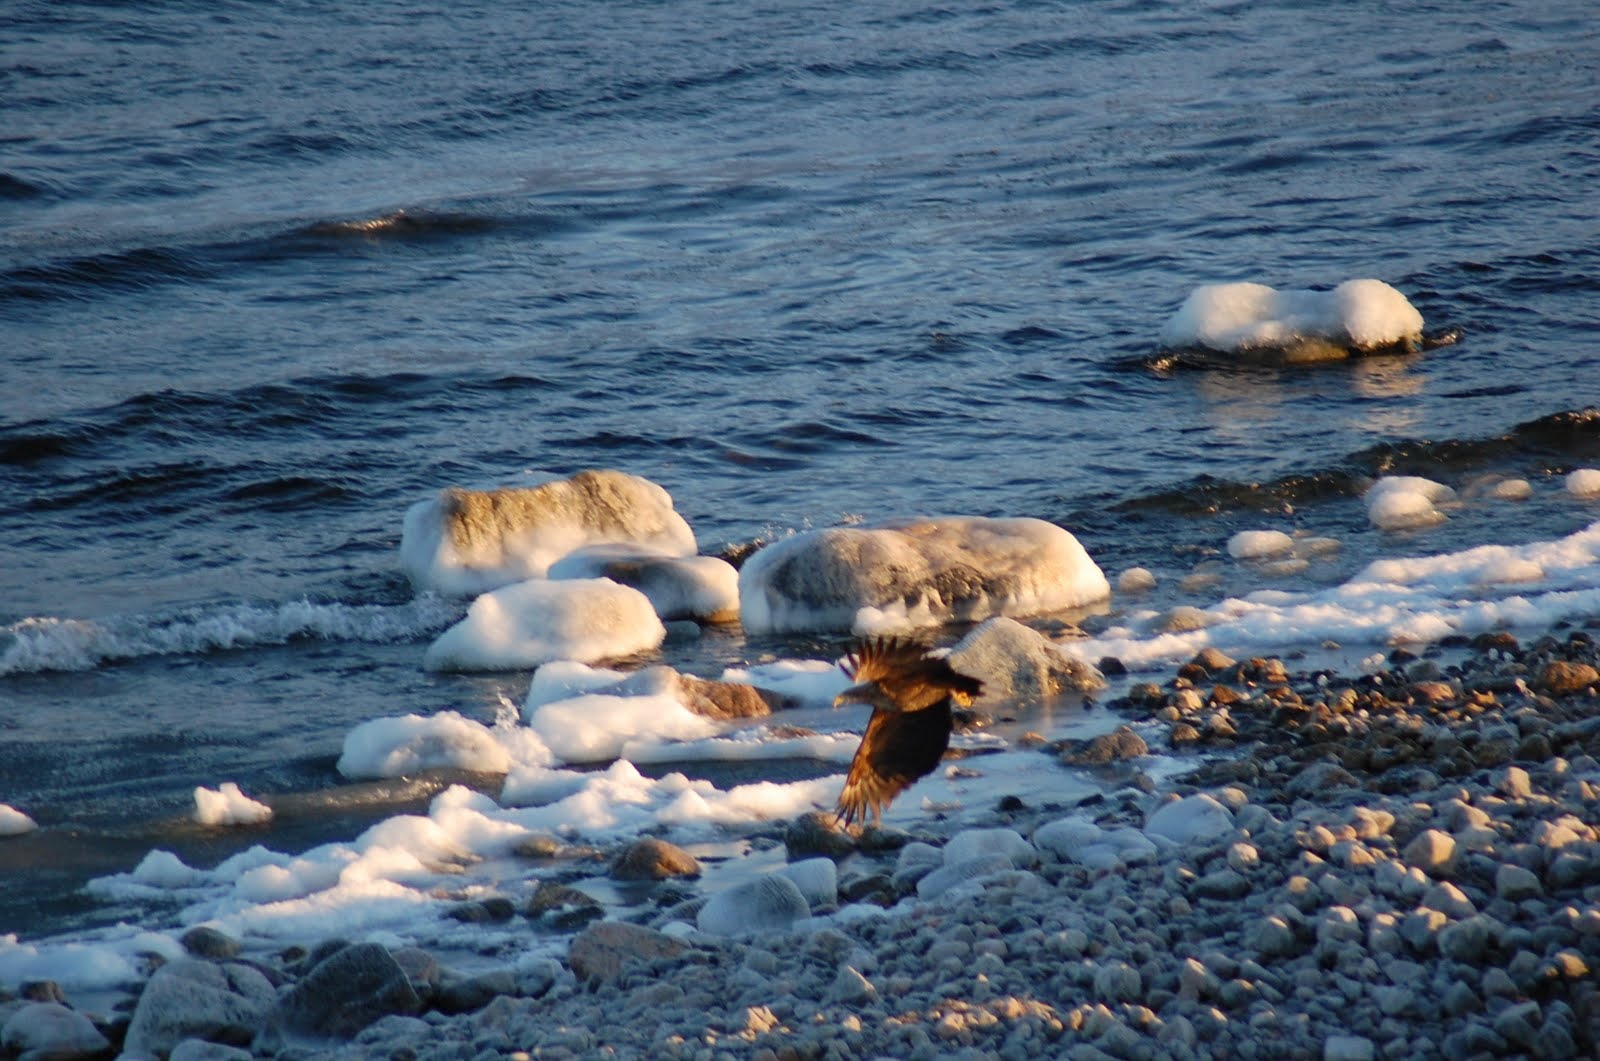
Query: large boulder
{"points": [[1016, 663], [679, 587], [910, 573], [342, 994], [534, 622], [189, 998], [603, 950], [464, 542], [50, 1030]]}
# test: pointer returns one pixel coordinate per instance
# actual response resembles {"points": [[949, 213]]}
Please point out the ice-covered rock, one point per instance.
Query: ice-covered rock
{"points": [[1584, 483], [226, 805], [976, 843], [13, 822], [952, 874], [679, 587], [464, 542], [817, 879], [50, 1030], [910, 573], [1015, 662], [534, 622], [1065, 837], [1260, 545], [189, 997], [597, 727], [1192, 819], [1400, 502], [395, 747], [712, 699], [1256, 322], [770, 903]]}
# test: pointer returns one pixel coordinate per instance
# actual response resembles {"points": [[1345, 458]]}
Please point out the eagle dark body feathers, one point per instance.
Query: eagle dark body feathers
{"points": [[911, 696]]}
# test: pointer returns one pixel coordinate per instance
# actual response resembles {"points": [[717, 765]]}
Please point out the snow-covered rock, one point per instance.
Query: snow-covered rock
{"points": [[679, 587], [1255, 322], [769, 903], [1015, 662], [534, 622]]}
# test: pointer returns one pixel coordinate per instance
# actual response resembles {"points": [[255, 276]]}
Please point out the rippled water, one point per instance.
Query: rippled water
{"points": [[270, 273]]}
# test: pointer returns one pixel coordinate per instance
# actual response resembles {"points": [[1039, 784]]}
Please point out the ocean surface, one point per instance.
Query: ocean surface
{"points": [[270, 273]]}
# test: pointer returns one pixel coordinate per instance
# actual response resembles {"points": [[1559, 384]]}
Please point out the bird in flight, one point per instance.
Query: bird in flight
{"points": [[911, 695]]}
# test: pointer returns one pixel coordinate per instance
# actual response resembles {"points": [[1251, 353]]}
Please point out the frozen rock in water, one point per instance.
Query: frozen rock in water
{"points": [[1260, 545], [395, 747], [344, 993], [817, 879], [204, 941], [651, 858], [50, 1030], [975, 843], [192, 998], [529, 623], [597, 727], [1191, 819], [1015, 662], [469, 541], [1584, 483], [1255, 322], [912, 573], [773, 902], [226, 805], [1136, 580], [1512, 490], [951, 874], [680, 587], [702, 696], [601, 951], [13, 822], [1400, 502]]}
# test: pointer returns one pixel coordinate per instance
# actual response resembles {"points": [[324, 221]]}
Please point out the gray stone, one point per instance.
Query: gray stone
{"points": [[1118, 982], [1518, 1023], [1016, 663], [50, 1030], [1513, 782], [469, 993], [1222, 884], [1271, 937], [1466, 941], [207, 942], [851, 988], [202, 1050], [1514, 884], [1432, 851], [601, 951], [344, 993], [190, 998], [1348, 1048]]}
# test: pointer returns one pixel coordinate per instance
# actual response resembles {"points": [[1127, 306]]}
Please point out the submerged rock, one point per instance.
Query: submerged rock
{"points": [[910, 573], [464, 542]]}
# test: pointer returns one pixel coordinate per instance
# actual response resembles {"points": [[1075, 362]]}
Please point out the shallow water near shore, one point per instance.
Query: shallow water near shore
{"points": [[267, 277]]}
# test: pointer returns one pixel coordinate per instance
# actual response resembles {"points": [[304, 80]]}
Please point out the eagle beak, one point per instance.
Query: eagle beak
{"points": [[865, 693]]}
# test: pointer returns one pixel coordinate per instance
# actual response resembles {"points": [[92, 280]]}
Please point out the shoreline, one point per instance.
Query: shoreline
{"points": [[1396, 865]]}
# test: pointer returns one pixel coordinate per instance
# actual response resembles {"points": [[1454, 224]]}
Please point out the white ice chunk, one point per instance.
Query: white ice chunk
{"points": [[1584, 483], [911, 573], [1066, 837], [680, 587], [226, 805], [1399, 502], [1359, 315], [13, 822], [817, 879], [597, 727], [770, 903], [1259, 545], [1513, 490], [1136, 580], [529, 623], [464, 542], [974, 843], [395, 747]]}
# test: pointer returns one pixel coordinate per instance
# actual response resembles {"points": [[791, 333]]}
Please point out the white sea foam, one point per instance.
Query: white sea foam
{"points": [[1391, 601], [55, 644], [226, 805], [1243, 318], [13, 822], [116, 957], [529, 623]]}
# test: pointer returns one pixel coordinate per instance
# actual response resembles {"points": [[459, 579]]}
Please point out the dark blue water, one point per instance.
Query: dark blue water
{"points": [[270, 273]]}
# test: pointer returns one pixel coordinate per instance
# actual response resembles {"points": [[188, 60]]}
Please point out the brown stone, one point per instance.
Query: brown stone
{"points": [[1560, 678], [601, 951], [722, 700], [1106, 748], [1432, 692], [651, 858]]}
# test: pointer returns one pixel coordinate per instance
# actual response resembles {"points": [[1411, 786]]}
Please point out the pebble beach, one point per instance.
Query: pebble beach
{"points": [[1401, 864]]}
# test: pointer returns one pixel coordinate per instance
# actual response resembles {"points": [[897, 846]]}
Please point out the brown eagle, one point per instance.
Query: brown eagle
{"points": [[911, 696]]}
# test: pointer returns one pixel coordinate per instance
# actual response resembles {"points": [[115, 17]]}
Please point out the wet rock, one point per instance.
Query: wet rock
{"points": [[484, 911], [1212, 660], [817, 833], [422, 970], [562, 907], [205, 942], [1124, 743], [190, 998], [470, 993], [41, 1030], [725, 700], [344, 993], [42, 991], [601, 951], [651, 858]]}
